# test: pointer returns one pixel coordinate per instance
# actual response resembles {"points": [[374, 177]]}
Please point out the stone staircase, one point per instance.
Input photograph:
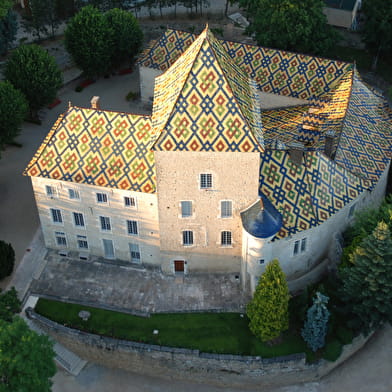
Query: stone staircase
{"points": [[65, 358]]}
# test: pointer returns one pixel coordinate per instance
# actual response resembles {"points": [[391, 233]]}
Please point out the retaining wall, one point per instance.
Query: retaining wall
{"points": [[221, 370]]}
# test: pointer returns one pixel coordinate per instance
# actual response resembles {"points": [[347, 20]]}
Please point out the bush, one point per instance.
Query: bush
{"points": [[7, 259], [344, 335], [332, 350], [9, 304]]}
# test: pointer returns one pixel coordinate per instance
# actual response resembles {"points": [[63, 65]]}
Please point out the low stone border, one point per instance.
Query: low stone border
{"points": [[221, 370]]}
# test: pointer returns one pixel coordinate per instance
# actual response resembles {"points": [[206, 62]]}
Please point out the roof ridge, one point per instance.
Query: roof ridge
{"points": [[176, 100], [251, 130]]}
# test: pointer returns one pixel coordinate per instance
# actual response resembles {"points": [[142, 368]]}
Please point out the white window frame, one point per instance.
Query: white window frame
{"points": [[222, 202], [132, 202], [62, 235], [74, 213], [206, 181], [300, 246], [188, 238], [51, 191], [82, 238], [223, 239], [131, 224], [103, 223], [135, 260], [105, 196], [59, 214], [182, 204], [76, 194]]}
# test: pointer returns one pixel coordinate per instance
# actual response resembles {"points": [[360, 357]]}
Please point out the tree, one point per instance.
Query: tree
{"points": [[8, 30], [268, 310], [297, 25], [35, 73], [367, 284], [7, 259], [9, 304], [127, 35], [5, 6], [377, 30], [26, 358], [89, 40], [13, 109], [316, 324]]}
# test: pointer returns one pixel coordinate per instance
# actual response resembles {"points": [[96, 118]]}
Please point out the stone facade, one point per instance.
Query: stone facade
{"points": [[144, 212]]}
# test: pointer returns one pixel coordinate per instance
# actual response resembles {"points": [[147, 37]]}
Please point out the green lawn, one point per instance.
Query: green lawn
{"points": [[223, 333]]}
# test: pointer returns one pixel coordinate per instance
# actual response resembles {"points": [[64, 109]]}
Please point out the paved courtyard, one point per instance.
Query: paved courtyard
{"points": [[134, 289]]}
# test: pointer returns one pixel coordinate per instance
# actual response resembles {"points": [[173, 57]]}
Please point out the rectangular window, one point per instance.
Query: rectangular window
{"points": [[261, 261], [129, 201], [51, 191], [205, 181], [132, 227], [61, 240], [296, 247], [78, 219], [108, 249], [303, 245], [186, 209], [102, 198], [226, 209], [187, 237], [135, 252], [73, 194], [82, 241], [351, 211], [226, 238], [56, 215], [105, 223]]}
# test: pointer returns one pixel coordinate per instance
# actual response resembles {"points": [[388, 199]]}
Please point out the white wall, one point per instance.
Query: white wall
{"points": [[145, 213], [147, 80]]}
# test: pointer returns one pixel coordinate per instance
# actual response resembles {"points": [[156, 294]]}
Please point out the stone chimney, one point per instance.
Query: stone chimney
{"points": [[329, 140], [95, 103], [296, 151]]}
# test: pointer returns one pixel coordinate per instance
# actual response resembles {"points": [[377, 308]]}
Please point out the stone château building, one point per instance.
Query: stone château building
{"points": [[249, 154]]}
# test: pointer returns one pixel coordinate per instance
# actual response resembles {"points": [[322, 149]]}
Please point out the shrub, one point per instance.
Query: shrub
{"points": [[332, 350], [7, 259]]}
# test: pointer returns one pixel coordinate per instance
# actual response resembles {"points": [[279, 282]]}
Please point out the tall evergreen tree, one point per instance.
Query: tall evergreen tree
{"points": [[268, 310], [367, 284], [316, 324]]}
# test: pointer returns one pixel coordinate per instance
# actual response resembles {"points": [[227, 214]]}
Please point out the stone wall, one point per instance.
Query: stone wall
{"points": [[221, 370]]}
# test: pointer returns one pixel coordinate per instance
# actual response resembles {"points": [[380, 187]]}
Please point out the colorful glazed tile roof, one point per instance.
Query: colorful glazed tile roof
{"points": [[365, 142], [274, 71], [204, 102], [98, 147], [308, 194]]}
